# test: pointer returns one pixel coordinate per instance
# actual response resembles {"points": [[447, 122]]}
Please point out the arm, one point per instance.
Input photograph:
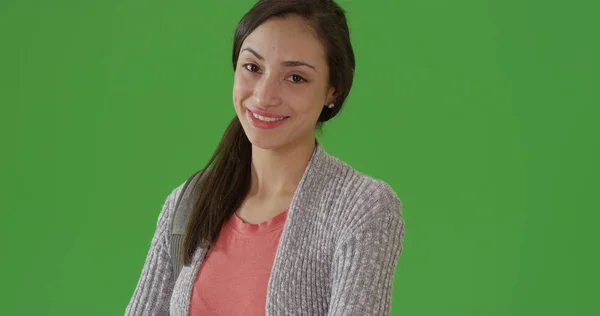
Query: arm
{"points": [[155, 285], [365, 261]]}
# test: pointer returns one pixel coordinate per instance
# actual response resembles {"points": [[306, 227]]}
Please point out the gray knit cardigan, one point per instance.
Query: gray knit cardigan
{"points": [[337, 254]]}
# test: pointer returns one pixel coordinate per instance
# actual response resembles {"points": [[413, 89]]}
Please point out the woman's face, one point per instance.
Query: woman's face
{"points": [[281, 75]]}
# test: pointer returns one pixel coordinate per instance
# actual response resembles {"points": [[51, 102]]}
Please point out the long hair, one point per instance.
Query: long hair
{"points": [[226, 176]]}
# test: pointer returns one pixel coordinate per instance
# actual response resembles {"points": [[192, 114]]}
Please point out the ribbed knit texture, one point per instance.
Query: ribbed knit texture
{"points": [[337, 254]]}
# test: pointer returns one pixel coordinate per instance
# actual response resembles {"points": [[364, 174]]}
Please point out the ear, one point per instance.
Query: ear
{"points": [[331, 95]]}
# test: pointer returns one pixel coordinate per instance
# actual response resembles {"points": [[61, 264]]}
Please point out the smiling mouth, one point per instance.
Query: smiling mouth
{"points": [[268, 119], [264, 122]]}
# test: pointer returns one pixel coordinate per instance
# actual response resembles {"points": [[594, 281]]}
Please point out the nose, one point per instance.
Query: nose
{"points": [[267, 91]]}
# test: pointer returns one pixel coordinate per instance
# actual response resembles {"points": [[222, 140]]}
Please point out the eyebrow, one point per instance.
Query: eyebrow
{"points": [[289, 63]]}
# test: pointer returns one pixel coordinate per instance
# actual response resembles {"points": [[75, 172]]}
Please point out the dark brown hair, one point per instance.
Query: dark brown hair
{"points": [[224, 188]]}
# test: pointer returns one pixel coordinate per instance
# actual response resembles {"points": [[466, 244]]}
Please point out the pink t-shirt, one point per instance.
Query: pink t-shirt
{"points": [[232, 279]]}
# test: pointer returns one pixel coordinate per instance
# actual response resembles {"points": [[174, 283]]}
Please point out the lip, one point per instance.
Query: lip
{"points": [[265, 113], [262, 124]]}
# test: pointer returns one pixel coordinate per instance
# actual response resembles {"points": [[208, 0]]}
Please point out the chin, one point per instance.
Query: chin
{"points": [[263, 139], [265, 142]]}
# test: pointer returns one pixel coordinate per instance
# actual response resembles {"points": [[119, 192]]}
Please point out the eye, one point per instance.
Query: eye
{"points": [[254, 68], [297, 79], [251, 67]]}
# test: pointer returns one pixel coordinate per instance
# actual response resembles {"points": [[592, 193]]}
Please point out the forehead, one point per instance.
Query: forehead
{"points": [[289, 38]]}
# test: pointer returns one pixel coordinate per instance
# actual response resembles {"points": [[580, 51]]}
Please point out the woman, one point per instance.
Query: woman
{"points": [[276, 225]]}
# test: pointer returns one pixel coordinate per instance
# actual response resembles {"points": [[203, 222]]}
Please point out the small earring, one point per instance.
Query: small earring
{"points": [[331, 105]]}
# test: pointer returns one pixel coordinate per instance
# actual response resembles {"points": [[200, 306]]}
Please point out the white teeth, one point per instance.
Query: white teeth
{"points": [[267, 119]]}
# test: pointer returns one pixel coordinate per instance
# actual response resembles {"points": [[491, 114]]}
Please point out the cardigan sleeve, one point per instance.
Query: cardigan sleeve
{"points": [[152, 294], [365, 261]]}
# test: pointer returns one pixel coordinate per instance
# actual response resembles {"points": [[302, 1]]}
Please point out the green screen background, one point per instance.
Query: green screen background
{"points": [[482, 115]]}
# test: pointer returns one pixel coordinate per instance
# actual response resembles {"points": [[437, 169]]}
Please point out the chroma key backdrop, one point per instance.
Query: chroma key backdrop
{"points": [[481, 114]]}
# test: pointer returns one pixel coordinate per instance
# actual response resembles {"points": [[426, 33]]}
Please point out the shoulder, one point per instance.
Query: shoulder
{"points": [[359, 188], [183, 199], [173, 216], [168, 210], [364, 199]]}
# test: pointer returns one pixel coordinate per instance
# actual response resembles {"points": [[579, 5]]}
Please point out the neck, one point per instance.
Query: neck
{"points": [[277, 172]]}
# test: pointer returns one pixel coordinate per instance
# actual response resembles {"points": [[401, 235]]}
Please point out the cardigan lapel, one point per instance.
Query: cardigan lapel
{"points": [[302, 211], [182, 291]]}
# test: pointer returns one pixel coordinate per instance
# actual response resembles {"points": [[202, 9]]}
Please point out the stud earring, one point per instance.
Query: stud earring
{"points": [[331, 105]]}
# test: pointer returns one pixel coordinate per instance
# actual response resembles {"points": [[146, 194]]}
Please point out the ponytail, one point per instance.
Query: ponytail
{"points": [[222, 190]]}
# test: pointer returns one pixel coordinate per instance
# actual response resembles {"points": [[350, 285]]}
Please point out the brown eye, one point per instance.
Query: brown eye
{"points": [[297, 79], [251, 67]]}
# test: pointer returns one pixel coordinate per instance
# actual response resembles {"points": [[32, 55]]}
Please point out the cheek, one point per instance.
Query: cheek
{"points": [[308, 103], [241, 88]]}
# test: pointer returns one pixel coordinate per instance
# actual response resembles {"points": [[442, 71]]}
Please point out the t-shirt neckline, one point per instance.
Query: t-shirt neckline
{"points": [[267, 226]]}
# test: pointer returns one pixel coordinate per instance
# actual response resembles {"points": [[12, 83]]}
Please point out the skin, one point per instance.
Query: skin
{"points": [[280, 155]]}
